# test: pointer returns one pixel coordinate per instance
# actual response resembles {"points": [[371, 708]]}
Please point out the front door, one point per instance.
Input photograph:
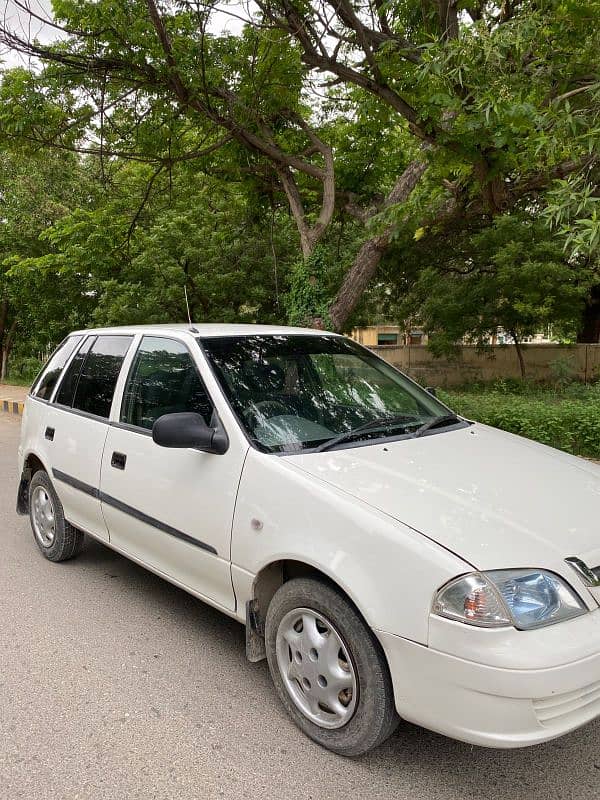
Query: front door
{"points": [[170, 508]]}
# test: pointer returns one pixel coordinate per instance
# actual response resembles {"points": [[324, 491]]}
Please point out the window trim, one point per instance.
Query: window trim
{"points": [[148, 431], [78, 412]]}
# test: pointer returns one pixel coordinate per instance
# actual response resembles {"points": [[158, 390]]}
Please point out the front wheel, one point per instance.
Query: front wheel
{"points": [[328, 668], [57, 539]]}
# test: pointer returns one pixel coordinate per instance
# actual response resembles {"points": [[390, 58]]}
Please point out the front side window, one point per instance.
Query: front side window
{"points": [[163, 380], [44, 384], [296, 392], [99, 374]]}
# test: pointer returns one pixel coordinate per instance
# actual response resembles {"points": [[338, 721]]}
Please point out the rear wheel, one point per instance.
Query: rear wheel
{"points": [[328, 668], [57, 539]]}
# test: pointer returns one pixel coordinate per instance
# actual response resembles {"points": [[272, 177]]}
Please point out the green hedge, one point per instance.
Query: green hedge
{"points": [[569, 423]]}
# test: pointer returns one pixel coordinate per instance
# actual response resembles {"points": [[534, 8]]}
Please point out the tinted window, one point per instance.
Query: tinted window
{"points": [[45, 383], [99, 375], [163, 380], [68, 384]]}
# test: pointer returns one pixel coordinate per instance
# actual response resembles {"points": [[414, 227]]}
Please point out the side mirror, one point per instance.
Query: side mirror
{"points": [[187, 429], [431, 390]]}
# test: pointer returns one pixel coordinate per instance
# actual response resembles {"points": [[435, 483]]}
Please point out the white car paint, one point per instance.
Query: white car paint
{"points": [[490, 496], [390, 524]]}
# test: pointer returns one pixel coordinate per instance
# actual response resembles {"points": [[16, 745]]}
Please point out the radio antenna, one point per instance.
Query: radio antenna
{"points": [[187, 305]]}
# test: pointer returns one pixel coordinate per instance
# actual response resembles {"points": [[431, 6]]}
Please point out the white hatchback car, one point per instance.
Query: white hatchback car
{"points": [[389, 558]]}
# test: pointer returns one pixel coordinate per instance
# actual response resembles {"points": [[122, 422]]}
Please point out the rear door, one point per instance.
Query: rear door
{"points": [[76, 426], [170, 508]]}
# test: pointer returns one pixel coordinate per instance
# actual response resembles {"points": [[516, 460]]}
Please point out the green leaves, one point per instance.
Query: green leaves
{"points": [[512, 275], [573, 210]]}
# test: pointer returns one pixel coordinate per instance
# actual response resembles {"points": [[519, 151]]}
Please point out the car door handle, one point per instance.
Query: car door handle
{"points": [[118, 460], [49, 434]]}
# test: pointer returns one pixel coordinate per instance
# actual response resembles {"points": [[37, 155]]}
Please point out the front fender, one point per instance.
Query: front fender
{"points": [[387, 569]]}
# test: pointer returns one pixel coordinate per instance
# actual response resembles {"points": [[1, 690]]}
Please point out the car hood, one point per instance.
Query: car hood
{"points": [[494, 499]]}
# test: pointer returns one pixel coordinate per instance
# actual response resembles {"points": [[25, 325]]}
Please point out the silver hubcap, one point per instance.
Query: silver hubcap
{"points": [[43, 516], [316, 668]]}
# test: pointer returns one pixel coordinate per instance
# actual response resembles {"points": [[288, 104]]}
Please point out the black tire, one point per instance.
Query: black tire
{"points": [[67, 541], [374, 717]]}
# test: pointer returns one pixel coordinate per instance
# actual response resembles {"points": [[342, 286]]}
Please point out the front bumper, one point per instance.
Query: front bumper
{"points": [[490, 705]]}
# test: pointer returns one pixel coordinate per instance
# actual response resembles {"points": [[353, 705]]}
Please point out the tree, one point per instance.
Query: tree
{"points": [[196, 234], [34, 194], [492, 103], [503, 97], [511, 275], [162, 89]]}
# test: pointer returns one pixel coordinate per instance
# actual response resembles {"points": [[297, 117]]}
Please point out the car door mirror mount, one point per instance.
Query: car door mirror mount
{"points": [[188, 429]]}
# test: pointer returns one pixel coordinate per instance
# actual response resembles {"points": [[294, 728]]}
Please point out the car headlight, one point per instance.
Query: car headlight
{"points": [[524, 598]]}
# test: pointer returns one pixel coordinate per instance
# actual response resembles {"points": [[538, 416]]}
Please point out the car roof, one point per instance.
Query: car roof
{"points": [[208, 329]]}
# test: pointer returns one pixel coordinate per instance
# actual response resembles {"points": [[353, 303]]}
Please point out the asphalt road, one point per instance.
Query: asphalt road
{"points": [[114, 684]]}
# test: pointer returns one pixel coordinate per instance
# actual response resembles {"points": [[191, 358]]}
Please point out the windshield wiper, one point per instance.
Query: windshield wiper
{"points": [[433, 423], [378, 422]]}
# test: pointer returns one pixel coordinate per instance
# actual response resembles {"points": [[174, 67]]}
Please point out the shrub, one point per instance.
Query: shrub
{"points": [[563, 371], [569, 423], [23, 370]]}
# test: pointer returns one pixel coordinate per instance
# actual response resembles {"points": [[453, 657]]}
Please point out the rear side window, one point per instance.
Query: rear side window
{"points": [[47, 380], [68, 384], [163, 380], [98, 378]]}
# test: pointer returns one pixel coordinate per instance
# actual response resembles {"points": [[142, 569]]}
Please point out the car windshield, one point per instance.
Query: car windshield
{"points": [[300, 392]]}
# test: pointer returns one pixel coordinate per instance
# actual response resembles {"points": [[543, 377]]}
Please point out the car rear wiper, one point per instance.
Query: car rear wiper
{"points": [[374, 423], [433, 423]]}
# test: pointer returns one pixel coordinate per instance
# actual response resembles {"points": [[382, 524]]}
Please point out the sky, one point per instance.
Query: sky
{"points": [[24, 24]]}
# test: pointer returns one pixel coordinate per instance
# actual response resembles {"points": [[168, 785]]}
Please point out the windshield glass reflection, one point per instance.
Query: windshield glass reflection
{"points": [[296, 392]]}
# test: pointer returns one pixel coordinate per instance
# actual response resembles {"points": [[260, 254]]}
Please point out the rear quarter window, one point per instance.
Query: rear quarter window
{"points": [[44, 384], [99, 374]]}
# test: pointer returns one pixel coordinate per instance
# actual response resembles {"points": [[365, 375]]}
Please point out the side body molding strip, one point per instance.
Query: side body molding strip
{"points": [[127, 509], [75, 483]]}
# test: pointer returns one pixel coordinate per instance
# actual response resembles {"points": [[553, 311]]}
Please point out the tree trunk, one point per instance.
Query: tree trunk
{"points": [[448, 18], [3, 320], [3, 338], [368, 257], [357, 279], [590, 322], [4, 365], [519, 350], [5, 348]]}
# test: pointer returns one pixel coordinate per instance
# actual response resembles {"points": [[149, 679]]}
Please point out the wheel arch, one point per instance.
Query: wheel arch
{"points": [[266, 582], [31, 464]]}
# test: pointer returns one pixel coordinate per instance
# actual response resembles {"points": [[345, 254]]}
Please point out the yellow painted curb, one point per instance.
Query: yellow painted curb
{"points": [[11, 406]]}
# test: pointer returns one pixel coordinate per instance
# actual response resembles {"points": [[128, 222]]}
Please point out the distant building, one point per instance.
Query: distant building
{"points": [[541, 337], [388, 336], [396, 336]]}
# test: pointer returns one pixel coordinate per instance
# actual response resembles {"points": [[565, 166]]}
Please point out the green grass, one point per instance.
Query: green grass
{"points": [[567, 417]]}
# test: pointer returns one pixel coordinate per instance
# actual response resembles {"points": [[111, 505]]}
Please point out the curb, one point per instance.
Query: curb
{"points": [[11, 406]]}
